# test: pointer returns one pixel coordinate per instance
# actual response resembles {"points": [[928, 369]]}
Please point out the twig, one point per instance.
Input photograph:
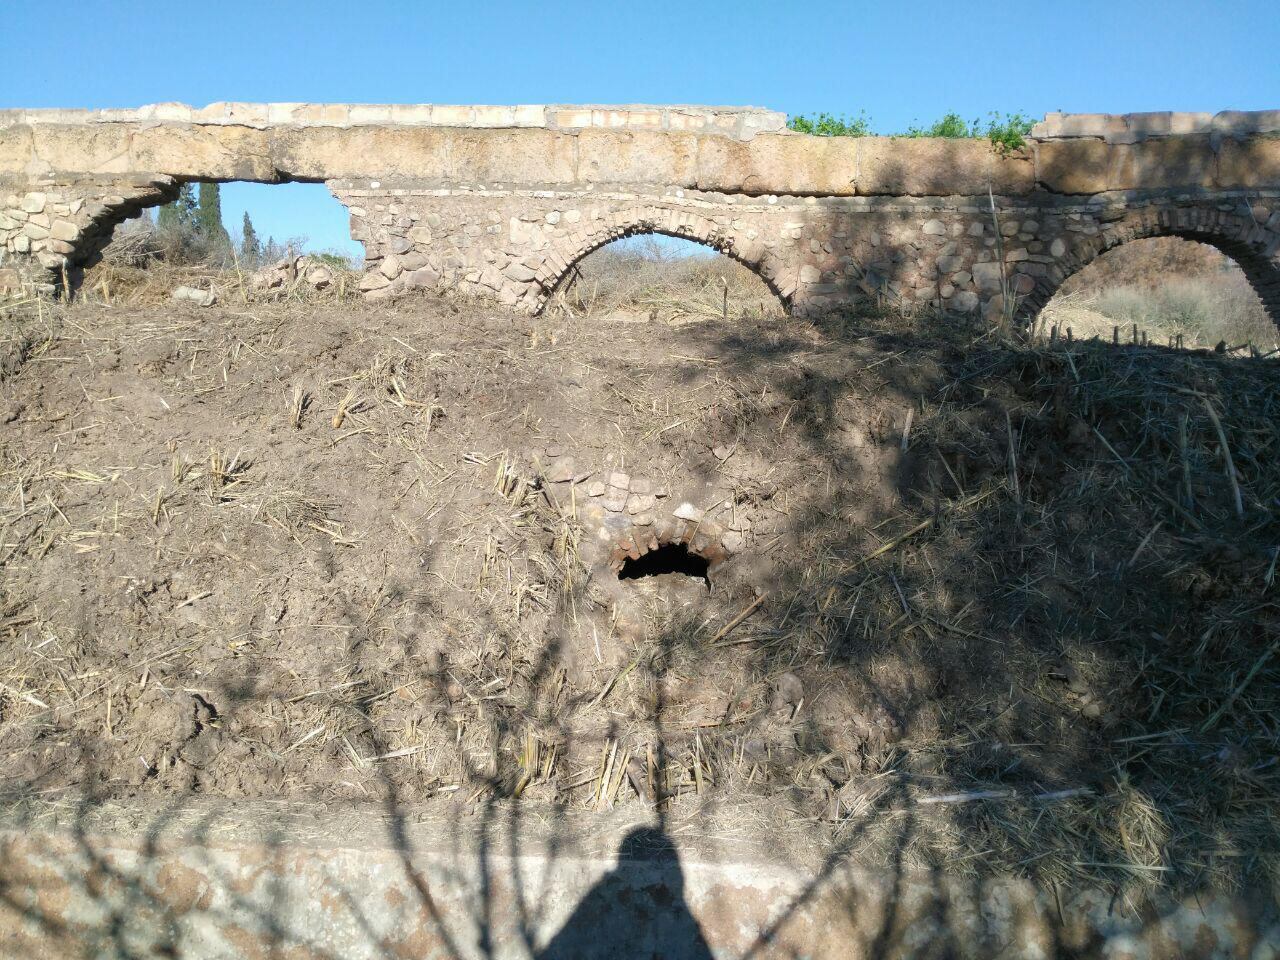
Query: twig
{"points": [[1226, 457], [739, 618]]}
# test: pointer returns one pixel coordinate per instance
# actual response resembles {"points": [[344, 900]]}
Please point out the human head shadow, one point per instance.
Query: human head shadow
{"points": [[637, 909]]}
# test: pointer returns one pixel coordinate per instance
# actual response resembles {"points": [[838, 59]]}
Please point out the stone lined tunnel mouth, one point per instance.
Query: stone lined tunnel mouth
{"points": [[667, 558]]}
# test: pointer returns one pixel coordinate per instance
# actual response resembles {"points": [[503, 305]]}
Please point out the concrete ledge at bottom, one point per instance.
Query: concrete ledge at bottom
{"points": [[253, 881]]}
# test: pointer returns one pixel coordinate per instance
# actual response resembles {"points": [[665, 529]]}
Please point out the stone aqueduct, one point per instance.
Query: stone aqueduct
{"points": [[503, 201]]}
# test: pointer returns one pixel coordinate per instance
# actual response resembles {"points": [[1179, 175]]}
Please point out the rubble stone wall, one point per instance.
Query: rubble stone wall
{"points": [[504, 201]]}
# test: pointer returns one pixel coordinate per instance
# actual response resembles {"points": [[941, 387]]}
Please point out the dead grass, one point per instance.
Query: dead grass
{"points": [[1168, 290], [650, 280]]}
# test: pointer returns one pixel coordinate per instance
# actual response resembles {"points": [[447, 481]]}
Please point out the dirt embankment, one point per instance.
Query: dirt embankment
{"points": [[347, 553]]}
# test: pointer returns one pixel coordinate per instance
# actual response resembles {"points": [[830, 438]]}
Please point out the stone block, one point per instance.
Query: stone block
{"points": [[411, 113], [933, 167], [1166, 123], [1248, 163], [211, 152], [423, 278], [373, 280], [491, 116], [517, 155], [223, 111], [641, 503], [366, 113], [1080, 125], [644, 120], [1245, 122], [15, 148], [636, 156], [323, 114], [530, 115], [64, 230], [1090, 166], [685, 121], [361, 152], [283, 112], [777, 164], [570, 119], [1074, 166], [169, 112], [987, 276]]}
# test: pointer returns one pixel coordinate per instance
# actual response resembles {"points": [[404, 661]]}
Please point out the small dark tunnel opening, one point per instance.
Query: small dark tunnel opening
{"points": [[668, 558]]}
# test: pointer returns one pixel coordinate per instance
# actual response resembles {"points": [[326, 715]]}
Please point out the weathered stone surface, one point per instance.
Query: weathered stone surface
{"points": [[562, 471], [1251, 163], [203, 298], [687, 511], [373, 281], [928, 167], [339, 884]]}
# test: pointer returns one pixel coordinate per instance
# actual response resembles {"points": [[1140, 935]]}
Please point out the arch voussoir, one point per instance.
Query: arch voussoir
{"points": [[1238, 233]]}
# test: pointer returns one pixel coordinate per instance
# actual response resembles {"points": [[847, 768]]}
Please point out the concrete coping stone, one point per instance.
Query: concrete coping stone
{"points": [[740, 123], [1135, 127]]}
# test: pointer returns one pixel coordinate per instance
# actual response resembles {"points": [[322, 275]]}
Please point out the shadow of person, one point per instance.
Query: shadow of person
{"points": [[637, 909]]}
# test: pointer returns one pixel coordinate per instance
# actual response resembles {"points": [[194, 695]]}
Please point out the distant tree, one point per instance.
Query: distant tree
{"points": [[250, 245], [178, 214], [272, 251], [209, 217]]}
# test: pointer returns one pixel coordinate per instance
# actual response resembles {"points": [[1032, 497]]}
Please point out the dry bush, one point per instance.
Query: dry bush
{"points": [[1210, 299], [645, 276], [144, 265]]}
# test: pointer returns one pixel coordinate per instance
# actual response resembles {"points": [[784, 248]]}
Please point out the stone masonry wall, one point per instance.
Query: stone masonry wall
{"points": [[814, 253], [502, 201]]}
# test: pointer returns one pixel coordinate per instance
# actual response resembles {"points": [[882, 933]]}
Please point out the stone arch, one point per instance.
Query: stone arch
{"points": [[565, 253], [1254, 247], [77, 220]]}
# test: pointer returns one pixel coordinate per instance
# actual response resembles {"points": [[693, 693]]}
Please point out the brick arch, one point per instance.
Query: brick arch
{"points": [[1254, 248], [565, 253]]}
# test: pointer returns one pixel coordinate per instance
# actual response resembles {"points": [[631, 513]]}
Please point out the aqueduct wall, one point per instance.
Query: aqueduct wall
{"points": [[503, 201]]}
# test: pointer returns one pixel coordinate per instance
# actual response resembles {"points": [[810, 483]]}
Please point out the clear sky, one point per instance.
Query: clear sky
{"points": [[899, 61]]}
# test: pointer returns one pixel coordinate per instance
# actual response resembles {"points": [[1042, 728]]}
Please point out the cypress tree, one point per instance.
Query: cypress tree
{"points": [[250, 246], [209, 216], [178, 214]]}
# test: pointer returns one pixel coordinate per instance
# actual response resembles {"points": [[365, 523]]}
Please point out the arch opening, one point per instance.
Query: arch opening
{"points": [[671, 558], [210, 234], [1172, 289], [665, 277]]}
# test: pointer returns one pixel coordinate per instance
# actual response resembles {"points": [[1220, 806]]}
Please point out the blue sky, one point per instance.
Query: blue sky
{"points": [[900, 62]]}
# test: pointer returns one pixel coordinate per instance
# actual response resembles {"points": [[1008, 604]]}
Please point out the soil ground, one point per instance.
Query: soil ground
{"points": [[986, 605]]}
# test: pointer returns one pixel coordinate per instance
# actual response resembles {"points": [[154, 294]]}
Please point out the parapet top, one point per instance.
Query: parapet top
{"points": [[741, 123], [1134, 127]]}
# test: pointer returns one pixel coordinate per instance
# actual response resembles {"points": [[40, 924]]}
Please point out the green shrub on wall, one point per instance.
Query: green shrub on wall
{"points": [[1005, 131]]}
